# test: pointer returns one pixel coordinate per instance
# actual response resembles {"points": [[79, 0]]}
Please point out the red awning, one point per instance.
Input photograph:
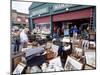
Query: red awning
{"points": [[80, 14], [86, 13], [42, 20]]}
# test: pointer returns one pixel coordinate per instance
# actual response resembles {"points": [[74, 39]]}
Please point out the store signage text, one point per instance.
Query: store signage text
{"points": [[61, 6]]}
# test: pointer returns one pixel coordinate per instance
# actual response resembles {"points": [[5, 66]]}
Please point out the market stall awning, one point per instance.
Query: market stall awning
{"points": [[80, 14], [42, 20]]}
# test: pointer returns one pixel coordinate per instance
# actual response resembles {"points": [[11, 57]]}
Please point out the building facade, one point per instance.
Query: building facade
{"points": [[19, 19], [56, 15]]}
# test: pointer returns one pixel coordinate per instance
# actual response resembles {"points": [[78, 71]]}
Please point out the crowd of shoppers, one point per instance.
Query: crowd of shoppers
{"points": [[20, 37]]}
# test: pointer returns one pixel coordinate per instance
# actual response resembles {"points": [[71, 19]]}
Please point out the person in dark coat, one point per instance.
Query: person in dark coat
{"points": [[17, 41], [71, 31]]}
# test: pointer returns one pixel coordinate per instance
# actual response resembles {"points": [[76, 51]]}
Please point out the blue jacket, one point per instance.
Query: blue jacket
{"points": [[75, 30]]}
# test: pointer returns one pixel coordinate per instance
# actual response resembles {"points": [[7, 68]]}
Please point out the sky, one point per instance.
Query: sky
{"points": [[21, 6]]}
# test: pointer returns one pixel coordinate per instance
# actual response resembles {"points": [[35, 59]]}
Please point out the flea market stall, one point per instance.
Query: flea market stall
{"points": [[54, 55]]}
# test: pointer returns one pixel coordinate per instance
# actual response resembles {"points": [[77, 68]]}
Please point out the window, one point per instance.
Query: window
{"points": [[26, 20], [18, 19]]}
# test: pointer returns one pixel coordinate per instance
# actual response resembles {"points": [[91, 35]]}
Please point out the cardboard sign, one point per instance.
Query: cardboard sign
{"points": [[90, 58], [72, 64]]}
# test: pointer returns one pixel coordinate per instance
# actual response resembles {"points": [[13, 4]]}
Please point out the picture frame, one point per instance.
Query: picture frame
{"points": [[55, 65], [20, 67], [72, 64], [91, 58]]}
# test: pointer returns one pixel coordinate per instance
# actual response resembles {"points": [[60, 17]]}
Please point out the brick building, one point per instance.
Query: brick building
{"points": [[19, 19]]}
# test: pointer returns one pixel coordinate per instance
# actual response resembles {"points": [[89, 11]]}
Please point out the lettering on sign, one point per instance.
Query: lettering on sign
{"points": [[61, 6]]}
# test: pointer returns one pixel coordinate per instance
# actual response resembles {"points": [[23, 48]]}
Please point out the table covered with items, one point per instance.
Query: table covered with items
{"points": [[54, 55]]}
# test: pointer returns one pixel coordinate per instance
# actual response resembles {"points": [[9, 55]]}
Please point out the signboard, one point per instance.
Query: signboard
{"points": [[61, 6], [39, 11]]}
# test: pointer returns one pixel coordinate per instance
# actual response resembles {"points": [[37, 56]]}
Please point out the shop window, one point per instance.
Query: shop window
{"points": [[47, 26]]}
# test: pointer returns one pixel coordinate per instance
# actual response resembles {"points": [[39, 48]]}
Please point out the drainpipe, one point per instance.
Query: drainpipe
{"points": [[30, 24], [94, 19], [51, 21]]}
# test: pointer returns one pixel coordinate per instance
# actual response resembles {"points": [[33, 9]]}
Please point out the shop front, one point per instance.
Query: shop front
{"points": [[42, 24], [56, 17], [80, 18]]}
